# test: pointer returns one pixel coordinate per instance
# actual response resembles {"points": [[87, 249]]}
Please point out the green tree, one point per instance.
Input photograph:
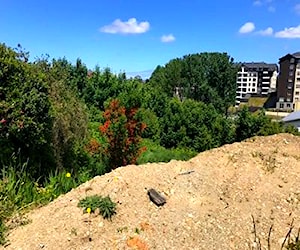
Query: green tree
{"points": [[24, 110], [206, 77], [194, 125]]}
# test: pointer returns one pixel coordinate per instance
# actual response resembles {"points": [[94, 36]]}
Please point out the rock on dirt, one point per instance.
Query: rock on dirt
{"points": [[211, 202]]}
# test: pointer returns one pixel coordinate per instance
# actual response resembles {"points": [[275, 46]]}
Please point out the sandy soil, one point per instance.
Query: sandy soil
{"points": [[210, 203]]}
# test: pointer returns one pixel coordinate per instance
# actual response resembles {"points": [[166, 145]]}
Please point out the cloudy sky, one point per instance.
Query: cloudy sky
{"points": [[138, 35]]}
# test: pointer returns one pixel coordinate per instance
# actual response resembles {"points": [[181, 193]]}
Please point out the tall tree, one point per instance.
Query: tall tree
{"points": [[206, 77]]}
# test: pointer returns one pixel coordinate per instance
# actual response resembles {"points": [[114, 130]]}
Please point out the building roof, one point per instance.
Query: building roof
{"points": [[294, 116], [297, 54], [288, 56], [252, 65]]}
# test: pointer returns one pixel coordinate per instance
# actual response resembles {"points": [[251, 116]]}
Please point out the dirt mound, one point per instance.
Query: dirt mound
{"points": [[210, 203]]}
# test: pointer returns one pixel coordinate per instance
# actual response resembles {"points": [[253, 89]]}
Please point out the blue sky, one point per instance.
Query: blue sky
{"points": [[138, 35]]}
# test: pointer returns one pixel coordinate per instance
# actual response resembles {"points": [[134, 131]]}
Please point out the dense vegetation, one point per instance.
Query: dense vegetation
{"points": [[61, 124]]}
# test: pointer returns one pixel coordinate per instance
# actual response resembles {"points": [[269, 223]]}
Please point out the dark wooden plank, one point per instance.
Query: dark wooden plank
{"points": [[156, 198]]}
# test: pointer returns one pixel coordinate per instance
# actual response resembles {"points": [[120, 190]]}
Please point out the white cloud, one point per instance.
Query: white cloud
{"points": [[167, 38], [257, 3], [127, 27], [247, 28], [297, 8], [292, 32], [267, 32], [271, 9]]}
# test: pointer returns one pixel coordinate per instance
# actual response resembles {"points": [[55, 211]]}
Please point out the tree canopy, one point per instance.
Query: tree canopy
{"points": [[205, 77]]}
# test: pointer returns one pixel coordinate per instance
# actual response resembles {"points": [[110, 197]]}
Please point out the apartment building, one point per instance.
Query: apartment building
{"points": [[255, 79], [288, 89]]}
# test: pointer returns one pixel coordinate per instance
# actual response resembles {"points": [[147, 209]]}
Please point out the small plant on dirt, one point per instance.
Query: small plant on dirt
{"points": [[107, 208], [289, 243], [2, 232]]}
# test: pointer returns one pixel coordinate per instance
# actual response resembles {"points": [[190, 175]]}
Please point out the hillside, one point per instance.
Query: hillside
{"points": [[209, 208]]}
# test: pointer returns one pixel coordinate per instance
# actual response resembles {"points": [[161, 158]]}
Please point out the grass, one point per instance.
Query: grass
{"points": [[18, 192], [257, 101], [157, 153]]}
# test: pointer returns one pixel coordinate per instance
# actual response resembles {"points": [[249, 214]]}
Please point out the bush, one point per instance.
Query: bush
{"points": [[122, 130]]}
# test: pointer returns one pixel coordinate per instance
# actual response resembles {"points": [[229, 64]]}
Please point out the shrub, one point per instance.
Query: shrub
{"points": [[122, 129]]}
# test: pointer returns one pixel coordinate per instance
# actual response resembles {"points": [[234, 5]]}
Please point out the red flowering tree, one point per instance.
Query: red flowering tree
{"points": [[122, 129]]}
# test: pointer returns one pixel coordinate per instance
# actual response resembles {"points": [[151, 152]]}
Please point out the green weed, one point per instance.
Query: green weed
{"points": [[106, 207], [157, 153]]}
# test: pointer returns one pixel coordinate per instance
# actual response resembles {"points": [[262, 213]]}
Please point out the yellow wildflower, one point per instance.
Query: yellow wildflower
{"points": [[88, 210], [68, 175]]}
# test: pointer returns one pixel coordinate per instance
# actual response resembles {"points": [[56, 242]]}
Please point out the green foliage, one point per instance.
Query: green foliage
{"points": [[131, 95], [68, 129], [155, 100], [157, 153], [2, 232], [153, 130], [291, 129], [101, 86], [205, 77], [294, 245], [18, 191], [24, 110], [194, 125], [58, 183], [248, 125], [106, 207]]}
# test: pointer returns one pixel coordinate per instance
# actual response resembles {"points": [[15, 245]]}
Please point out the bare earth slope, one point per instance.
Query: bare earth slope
{"points": [[209, 208]]}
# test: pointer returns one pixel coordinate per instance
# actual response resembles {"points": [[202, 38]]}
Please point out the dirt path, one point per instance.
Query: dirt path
{"points": [[209, 208]]}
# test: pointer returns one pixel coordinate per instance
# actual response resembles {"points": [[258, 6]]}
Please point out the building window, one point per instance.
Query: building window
{"points": [[288, 99], [297, 86], [292, 60], [291, 73], [281, 105], [291, 66], [297, 93], [290, 80], [288, 105], [281, 99], [298, 66], [253, 90]]}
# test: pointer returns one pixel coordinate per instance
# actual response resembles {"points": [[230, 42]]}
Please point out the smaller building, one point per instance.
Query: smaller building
{"points": [[293, 119], [256, 78]]}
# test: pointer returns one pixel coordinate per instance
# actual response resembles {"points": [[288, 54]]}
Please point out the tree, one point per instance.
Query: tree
{"points": [[206, 77], [24, 110], [194, 125]]}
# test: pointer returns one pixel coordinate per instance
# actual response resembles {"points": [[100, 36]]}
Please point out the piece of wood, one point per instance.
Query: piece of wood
{"points": [[156, 198]]}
